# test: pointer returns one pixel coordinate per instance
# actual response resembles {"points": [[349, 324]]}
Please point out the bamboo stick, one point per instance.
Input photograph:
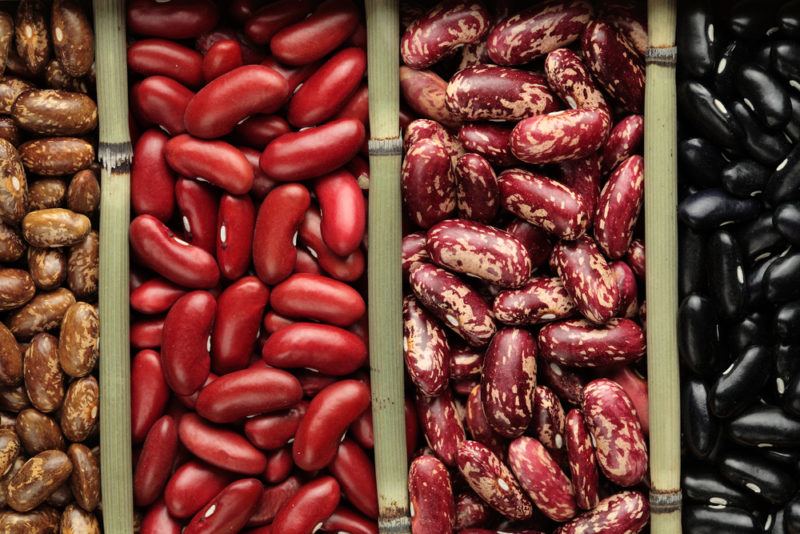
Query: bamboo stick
{"points": [[114, 154], [661, 230], [385, 279]]}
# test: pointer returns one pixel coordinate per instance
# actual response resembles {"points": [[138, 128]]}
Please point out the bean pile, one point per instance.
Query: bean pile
{"points": [[740, 265], [522, 185], [247, 236], [49, 196]]}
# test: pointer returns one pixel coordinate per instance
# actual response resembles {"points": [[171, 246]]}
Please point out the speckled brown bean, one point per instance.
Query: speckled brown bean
{"points": [[560, 136], [587, 278], [14, 399], [542, 478], [9, 449], [441, 424], [13, 185], [10, 89], [15, 467], [83, 266], [43, 520], [431, 496], [570, 80], [61, 497], [548, 419], [46, 193], [42, 313], [538, 30], [414, 251], [427, 352], [55, 227], [480, 251], [626, 512], [508, 381], [56, 156], [487, 92], [16, 288], [6, 36], [440, 31], [10, 358], [428, 183], [78, 341], [47, 266], [32, 37], [73, 38], [76, 520], [618, 207], [478, 424], [540, 300], [582, 462], [9, 130], [453, 302], [57, 78], [83, 193], [492, 141], [85, 479], [583, 176], [44, 380], [477, 195], [579, 343], [616, 432], [615, 65], [38, 478], [543, 202], [80, 410], [624, 141], [38, 432], [55, 112], [471, 511], [424, 92], [492, 480]]}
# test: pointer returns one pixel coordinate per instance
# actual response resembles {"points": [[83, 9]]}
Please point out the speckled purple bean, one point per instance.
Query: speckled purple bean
{"points": [[628, 289], [414, 250], [465, 362], [540, 300], [509, 380], [426, 351], [567, 383], [478, 425], [624, 141], [441, 424], [431, 495], [635, 258], [579, 343], [543, 202], [453, 302], [492, 141], [471, 511], [489, 477], [582, 461], [630, 19], [536, 240], [548, 419], [583, 176], [429, 186], [542, 478], [424, 92], [624, 513], [536, 31], [571, 81], [430, 129], [440, 31], [560, 136], [619, 206], [477, 195], [587, 278], [473, 54], [488, 92]]}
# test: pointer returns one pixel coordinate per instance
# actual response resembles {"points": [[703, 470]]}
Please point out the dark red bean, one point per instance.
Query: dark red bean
{"points": [[160, 57], [269, 19], [318, 298], [192, 486], [236, 221], [152, 181], [177, 19], [155, 461], [343, 210], [355, 472], [187, 341], [197, 205], [224, 56], [239, 310], [149, 393], [216, 162], [160, 100], [229, 510], [220, 447]]}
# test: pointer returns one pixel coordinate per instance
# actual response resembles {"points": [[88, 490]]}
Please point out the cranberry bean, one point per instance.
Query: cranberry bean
{"points": [[235, 223], [355, 472], [313, 503], [539, 300], [155, 461], [197, 205], [453, 302], [187, 341], [259, 130], [269, 19], [582, 462], [624, 512], [278, 220], [149, 393], [220, 447], [177, 19], [471, 511], [333, 143], [465, 362], [428, 183], [327, 349], [272, 500], [568, 77], [544, 203], [146, 334], [477, 195], [347, 269], [216, 162], [313, 38], [424, 92], [583, 177], [345, 520], [618, 207], [635, 258], [478, 423], [229, 510], [628, 289], [635, 386], [157, 520], [492, 141], [160, 100], [318, 298], [155, 296], [441, 424], [414, 251], [152, 181], [223, 56], [431, 495], [579, 343], [273, 431], [559, 136], [548, 419], [343, 211], [428, 129], [192, 486], [239, 310], [159, 57], [426, 349], [624, 141], [536, 240]]}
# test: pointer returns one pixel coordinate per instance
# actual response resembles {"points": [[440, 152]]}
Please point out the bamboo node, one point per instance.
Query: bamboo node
{"points": [[115, 157], [394, 525], [662, 55], [665, 501], [393, 146]]}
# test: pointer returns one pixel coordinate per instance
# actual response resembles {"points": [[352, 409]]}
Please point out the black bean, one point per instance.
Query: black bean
{"points": [[765, 95], [700, 430], [708, 114], [765, 426], [763, 53], [699, 334], [787, 362], [740, 384], [755, 281], [787, 457], [785, 59], [782, 279], [777, 526], [784, 184], [714, 520], [793, 128], [702, 161], [695, 39], [767, 147], [791, 397], [786, 219], [787, 321], [762, 477], [691, 261], [759, 238], [712, 208], [703, 485], [791, 515], [736, 54], [726, 269], [751, 18], [751, 330], [744, 178], [789, 16]]}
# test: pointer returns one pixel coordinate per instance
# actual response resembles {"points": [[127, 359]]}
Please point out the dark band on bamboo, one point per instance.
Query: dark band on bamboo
{"points": [[396, 525], [665, 502], [666, 56], [386, 147], [115, 157]]}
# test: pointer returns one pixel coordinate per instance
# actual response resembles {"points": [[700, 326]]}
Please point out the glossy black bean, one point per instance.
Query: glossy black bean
{"points": [[713, 520], [765, 95], [782, 279], [704, 485], [700, 430], [768, 479], [708, 115], [691, 261], [768, 147], [787, 321], [759, 238], [786, 219], [793, 128], [784, 184], [695, 39], [744, 178], [701, 161], [712, 208], [755, 281], [791, 516], [763, 53], [787, 457], [751, 19], [777, 526], [785, 59], [735, 55], [698, 326], [789, 17], [765, 426], [726, 269], [791, 397], [740, 384], [787, 363], [751, 330]]}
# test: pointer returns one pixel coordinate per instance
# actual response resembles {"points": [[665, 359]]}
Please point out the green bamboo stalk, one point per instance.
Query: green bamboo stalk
{"points": [[114, 154], [385, 279], [661, 236]]}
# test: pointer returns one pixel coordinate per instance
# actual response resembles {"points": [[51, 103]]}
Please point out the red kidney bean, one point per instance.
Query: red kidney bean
{"points": [[620, 446], [492, 141], [319, 347], [279, 465], [187, 341], [246, 90], [357, 106], [428, 183], [157, 520], [424, 92], [477, 195], [536, 240], [539, 300], [635, 258], [583, 177], [223, 56], [329, 414], [162, 101], [628, 289], [414, 251], [453, 302], [559, 136], [294, 75], [568, 77], [273, 431], [152, 181], [313, 503], [635, 387], [345, 520], [478, 424], [149, 393], [159, 249], [269, 19], [587, 278], [548, 419], [581, 459], [343, 209], [239, 310], [624, 512], [220, 447], [333, 144], [441, 424], [431, 495], [155, 296], [216, 162], [192, 486], [146, 333], [160, 57], [313, 382], [579, 343], [273, 322], [155, 461], [272, 500], [347, 269], [197, 204], [176, 19], [543, 202], [278, 220], [318, 298], [355, 472], [258, 131], [362, 430], [313, 38], [624, 141], [229, 510], [236, 221], [250, 54], [190, 401], [618, 207], [426, 350]]}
